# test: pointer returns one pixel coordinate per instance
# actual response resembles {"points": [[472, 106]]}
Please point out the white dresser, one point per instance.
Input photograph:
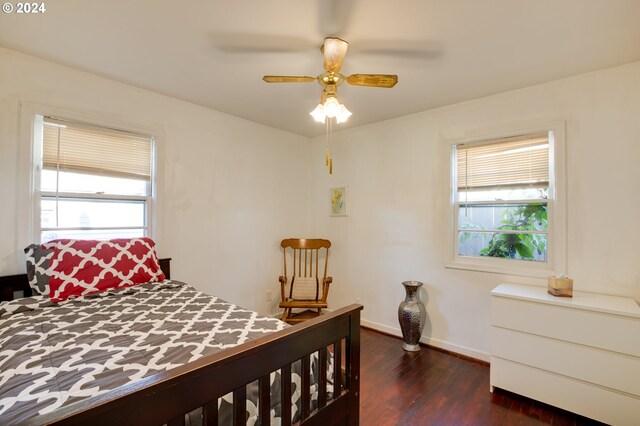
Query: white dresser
{"points": [[581, 354]]}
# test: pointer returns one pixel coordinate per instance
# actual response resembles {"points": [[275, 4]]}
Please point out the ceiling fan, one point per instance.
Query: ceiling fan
{"points": [[334, 51]]}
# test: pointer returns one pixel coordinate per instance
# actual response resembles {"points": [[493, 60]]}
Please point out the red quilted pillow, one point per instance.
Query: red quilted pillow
{"points": [[82, 267]]}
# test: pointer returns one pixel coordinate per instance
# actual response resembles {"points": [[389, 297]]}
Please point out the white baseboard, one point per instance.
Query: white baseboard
{"points": [[438, 343]]}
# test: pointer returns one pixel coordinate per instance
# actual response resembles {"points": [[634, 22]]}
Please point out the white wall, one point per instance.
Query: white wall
{"points": [[228, 183], [397, 177], [228, 188]]}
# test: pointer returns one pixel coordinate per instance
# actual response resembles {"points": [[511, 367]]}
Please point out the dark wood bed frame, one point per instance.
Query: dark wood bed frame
{"points": [[166, 397]]}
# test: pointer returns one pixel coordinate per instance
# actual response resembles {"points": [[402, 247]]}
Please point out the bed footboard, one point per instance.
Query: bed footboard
{"points": [[166, 397]]}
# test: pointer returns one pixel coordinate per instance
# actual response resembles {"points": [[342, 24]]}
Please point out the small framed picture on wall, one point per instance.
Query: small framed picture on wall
{"points": [[338, 201]]}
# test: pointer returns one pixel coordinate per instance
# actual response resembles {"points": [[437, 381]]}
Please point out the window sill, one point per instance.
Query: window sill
{"points": [[514, 267]]}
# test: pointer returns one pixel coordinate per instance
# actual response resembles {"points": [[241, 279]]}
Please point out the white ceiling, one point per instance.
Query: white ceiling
{"points": [[214, 53]]}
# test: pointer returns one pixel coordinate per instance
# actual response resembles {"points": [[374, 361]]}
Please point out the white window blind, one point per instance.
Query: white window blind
{"points": [[86, 149], [514, 162], [94, 182]]}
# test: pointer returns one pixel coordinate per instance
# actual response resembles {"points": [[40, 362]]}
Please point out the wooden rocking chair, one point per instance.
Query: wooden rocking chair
{"points": [[304, 289]]}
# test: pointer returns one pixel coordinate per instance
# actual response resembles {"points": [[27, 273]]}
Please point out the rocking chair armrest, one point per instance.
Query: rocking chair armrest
{"points": [[325, 288], [283, 283]]}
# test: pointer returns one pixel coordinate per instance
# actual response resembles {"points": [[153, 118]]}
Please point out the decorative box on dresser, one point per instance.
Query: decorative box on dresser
{"points": [[581, 354]]}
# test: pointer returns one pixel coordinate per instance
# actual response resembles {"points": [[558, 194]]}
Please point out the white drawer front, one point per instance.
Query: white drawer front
{"points": [[604, 368], [591, 328], [579, 397]]}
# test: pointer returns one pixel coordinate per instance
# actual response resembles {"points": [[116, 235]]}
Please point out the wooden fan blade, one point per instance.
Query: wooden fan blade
{"points": [[373, 80], [334, 50], [288, 79]]}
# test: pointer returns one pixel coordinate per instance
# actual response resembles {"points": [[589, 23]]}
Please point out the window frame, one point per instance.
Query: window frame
{"points": [[29, 230], [556, 206]]}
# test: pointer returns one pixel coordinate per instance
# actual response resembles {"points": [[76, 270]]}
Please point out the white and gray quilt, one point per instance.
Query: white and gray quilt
{"points": [[53, 354]]}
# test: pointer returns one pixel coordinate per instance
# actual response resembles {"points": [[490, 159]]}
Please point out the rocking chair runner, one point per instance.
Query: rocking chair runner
{"points": [[305, 288]]}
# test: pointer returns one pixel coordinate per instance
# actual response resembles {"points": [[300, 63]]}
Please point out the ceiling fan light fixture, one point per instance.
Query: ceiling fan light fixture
{"points": [[318, 114], [343, 114], [331, 107]]}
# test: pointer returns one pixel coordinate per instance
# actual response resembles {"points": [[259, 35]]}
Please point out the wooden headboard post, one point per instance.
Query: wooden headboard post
{"points": [[17, 286], [165, 265], [14, 287]]}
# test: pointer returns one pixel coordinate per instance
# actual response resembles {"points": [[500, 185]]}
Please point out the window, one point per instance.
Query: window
{"points": [[91, 182], [505, 209]]}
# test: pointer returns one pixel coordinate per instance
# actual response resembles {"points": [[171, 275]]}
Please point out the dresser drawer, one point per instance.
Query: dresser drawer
{"points": [[579, 397], [586, 327], [604, 368]]}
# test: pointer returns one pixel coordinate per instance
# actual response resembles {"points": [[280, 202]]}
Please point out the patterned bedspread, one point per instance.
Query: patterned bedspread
{"points": [[52, 354]]}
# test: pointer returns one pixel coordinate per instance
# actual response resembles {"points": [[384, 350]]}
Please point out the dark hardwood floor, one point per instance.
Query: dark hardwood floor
{"points": [[436, 388]]}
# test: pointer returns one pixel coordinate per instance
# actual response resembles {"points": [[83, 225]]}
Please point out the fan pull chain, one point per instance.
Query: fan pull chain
{"points": [[326, 159], [329, 124]]}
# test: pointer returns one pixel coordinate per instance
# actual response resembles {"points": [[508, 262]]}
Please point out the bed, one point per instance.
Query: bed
{"points": [[258, 371]]}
